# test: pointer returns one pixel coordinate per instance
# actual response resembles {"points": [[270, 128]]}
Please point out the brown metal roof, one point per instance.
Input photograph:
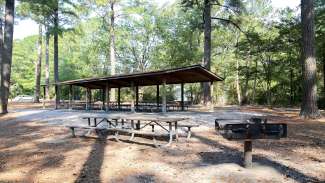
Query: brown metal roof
{"points": [[190, 74]]}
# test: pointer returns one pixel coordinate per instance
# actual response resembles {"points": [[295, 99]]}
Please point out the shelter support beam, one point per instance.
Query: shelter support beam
{"points": [[137, 97], [102, 91], [157, 97], [132, 97], [119, 98], [182, 96], [71, 96], [88, 99], [164, 99], [107, 97]]}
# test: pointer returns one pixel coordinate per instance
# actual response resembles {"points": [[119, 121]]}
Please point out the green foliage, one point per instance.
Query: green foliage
{"points": [[267, 48]]}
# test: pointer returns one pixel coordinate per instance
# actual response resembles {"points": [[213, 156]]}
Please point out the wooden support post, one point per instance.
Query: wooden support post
{"points": [[44, 96], [70, 97], [164, 100], [132, 97], [157, 97], [87, 102], [107, 89], [182, 96], [88, 99], [119, 98], [103, 98], [248, 154], [137, 97]]}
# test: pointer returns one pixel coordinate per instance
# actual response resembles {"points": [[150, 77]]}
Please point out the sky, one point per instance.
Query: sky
{"points": [[24, 28]]}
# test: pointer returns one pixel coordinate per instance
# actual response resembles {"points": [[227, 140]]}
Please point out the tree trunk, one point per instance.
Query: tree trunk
{"points": [[324, 72], [47, 65], [255, 81], [291, 82], [112, 46], [7, 54], [237, 75], [309, 107], [247, 76], [56, 57], [38, 65], [268, 81], [1, 64], [207, 50], [237, 83]]}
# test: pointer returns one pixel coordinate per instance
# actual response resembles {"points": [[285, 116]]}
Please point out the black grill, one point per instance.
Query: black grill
{"points": [[249, 129]]}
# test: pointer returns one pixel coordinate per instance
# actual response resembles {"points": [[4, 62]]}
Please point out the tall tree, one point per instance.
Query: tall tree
{"points": [[207, 49], [309, 107], [38, 65], [112, 44], [231, 6], [56, 52], [7, 55], [47, 62]]}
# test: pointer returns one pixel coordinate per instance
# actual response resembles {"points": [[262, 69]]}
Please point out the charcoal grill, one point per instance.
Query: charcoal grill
{"points": [[249, 129]]}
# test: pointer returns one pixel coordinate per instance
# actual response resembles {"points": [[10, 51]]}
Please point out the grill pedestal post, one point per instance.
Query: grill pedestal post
{"points": [[248, 154]]}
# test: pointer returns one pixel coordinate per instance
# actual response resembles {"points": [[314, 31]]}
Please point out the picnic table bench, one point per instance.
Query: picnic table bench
{"points": [[135, 126]]}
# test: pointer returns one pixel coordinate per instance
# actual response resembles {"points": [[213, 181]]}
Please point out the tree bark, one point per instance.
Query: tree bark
{"points": [[7, 55], [291, 83], [1, 64], [324, 72], [237, 75], [237, 83], [269, 80], [38, 65], [47, 64], [207, 50], [56, 56], [247, 76], [112, 46], [255, 81], [309, 107]]}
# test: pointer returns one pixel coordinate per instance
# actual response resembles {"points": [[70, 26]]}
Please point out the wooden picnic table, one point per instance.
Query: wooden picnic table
{"points": [[139, 123], [135, 125]]}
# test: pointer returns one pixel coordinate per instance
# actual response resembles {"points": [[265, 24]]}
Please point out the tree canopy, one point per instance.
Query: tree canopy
{"points": [[254, 46]]}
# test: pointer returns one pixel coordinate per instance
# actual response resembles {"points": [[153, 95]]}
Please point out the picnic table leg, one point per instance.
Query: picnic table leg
{"points": [[189, 133], [95, 121], [153, 137], [72, 131], [116, 122], [122, 123], [176, 131], [109, 123], [88, 121], [248, 154], [170, 134], [138, 125], [132, 126], [116, 136]]}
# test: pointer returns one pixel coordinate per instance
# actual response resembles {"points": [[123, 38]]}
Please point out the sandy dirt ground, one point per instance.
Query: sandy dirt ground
{"points": [[36, 147]]}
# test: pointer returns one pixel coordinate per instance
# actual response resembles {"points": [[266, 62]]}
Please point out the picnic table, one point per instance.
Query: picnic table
{"points": [[136, 126]]}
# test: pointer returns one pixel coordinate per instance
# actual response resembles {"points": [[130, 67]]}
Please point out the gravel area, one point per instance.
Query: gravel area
{"points": [[36, 147]]}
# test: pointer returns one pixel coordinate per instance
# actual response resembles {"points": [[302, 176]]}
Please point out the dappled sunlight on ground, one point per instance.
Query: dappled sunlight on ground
{"points": [[42, 150]]}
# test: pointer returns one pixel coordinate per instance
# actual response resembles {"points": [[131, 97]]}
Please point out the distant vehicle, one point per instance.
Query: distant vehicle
{"points": [[23, 98]]}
